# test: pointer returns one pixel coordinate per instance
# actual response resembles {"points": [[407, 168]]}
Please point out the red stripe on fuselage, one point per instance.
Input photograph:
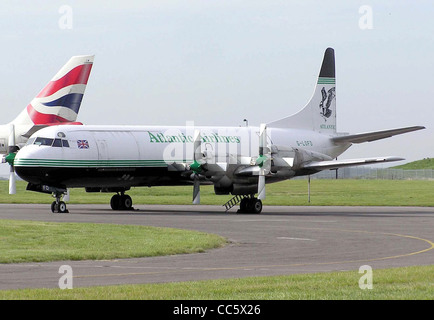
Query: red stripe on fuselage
{"points": [[78, 75]]}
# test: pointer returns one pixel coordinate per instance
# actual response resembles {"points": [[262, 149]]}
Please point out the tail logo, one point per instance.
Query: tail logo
{"points": [[329, 96], [60, 100]]}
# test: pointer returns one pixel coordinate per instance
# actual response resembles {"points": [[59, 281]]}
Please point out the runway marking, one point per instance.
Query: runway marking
{"points": [[301, 239], [184, 270], [269, 220]]}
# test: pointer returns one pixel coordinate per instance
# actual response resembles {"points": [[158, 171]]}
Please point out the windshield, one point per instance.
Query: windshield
{"points": [[40, 141], [30, 141], [43, 141]]}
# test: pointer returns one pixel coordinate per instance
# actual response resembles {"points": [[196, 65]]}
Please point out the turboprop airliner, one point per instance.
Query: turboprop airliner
{"points": [[237, 160], [57, 103]]}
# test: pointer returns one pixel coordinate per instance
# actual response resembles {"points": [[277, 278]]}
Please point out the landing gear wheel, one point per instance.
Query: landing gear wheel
{"points": [[127, 202], [250, 205], [54, 207], [62, 207], [115, 202], [59, 207], [256, 205], [244, 204], [121, 202]]}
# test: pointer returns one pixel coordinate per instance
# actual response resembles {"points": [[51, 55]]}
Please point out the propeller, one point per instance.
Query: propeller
{"points": [[196, 166], [10, 157], [66, 197], [263, 161]]}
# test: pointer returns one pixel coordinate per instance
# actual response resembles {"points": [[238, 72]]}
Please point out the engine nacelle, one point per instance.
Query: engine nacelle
{"points": [[236, 189], [240, 189], [222, 190]]}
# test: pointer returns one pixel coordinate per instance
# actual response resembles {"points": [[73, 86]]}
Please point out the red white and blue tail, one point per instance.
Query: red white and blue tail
{"points": [[59, 101]]}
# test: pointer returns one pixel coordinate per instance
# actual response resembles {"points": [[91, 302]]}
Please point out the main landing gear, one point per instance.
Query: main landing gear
{"points": [[121, 201], [250, 205]]}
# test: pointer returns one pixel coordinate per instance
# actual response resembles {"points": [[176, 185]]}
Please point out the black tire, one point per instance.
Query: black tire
{"points": [[256, 206], [127, 202], [244, 205], [62, 207], [115, 202], [54, 207]]}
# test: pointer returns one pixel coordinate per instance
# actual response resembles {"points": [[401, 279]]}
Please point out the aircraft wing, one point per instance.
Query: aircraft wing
{"points": [[374, 135], [334, 164]]}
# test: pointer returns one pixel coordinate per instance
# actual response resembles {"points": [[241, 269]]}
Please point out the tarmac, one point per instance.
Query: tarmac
{"points": [[279, 241]]}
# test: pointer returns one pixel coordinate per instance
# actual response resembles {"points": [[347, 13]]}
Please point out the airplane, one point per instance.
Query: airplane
{"points": [[58, 103], [237, 160]]}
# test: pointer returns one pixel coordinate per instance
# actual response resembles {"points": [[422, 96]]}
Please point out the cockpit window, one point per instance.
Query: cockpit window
{"points": [[57, 143], [40, 141], [30, 141], [43, 141]]}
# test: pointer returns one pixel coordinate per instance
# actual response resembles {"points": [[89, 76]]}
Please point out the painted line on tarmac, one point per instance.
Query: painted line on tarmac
{"points": [[186, 270], [300, 239]]}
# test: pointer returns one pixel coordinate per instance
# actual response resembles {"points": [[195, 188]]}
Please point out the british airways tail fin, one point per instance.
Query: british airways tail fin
{"points": [[320, 112], [59, 101]]}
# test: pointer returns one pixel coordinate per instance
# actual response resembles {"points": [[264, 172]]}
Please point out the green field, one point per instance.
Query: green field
{"points": [[29, 241], [287, 193], [409, 283], [427, 163]]}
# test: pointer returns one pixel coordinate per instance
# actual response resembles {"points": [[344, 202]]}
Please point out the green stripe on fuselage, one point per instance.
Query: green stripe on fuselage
{"points": [[91, 163]]}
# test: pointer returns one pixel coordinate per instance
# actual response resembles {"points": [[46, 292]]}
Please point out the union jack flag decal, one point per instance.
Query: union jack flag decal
{"points": [[83, 144]]}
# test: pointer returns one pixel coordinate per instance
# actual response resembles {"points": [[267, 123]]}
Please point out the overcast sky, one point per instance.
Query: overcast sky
{"points": [[217, 62]]}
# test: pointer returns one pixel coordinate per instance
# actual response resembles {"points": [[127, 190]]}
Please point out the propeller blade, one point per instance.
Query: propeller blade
{"points": [[261, 187], [196, 190], [197, 141], [66, 196], [11, 140], [12, 186], [196, 165], [263, 160], [10, 159], [262, 139]]}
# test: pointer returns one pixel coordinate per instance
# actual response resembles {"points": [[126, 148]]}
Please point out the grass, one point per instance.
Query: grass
{"points": [[343, 192], [353, 193], [407, 283], [29, 241], [426, 163]]}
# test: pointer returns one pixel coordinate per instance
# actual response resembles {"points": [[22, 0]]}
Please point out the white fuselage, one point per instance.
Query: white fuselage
{"points": [[94, 156]]}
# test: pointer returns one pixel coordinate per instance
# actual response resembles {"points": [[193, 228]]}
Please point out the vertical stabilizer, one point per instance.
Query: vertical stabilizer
{"points": [[320, 112], [59, 101]]}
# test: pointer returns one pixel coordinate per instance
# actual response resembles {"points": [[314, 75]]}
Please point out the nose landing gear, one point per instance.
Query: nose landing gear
{"points": [[59, 206]]}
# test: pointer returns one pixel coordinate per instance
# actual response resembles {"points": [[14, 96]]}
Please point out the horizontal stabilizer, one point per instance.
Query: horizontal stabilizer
{"points": [[372, 136], [334, 164]]}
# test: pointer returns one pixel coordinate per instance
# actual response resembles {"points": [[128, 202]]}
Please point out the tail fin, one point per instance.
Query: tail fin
{"points": [[59, 101], [320, 112]]}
